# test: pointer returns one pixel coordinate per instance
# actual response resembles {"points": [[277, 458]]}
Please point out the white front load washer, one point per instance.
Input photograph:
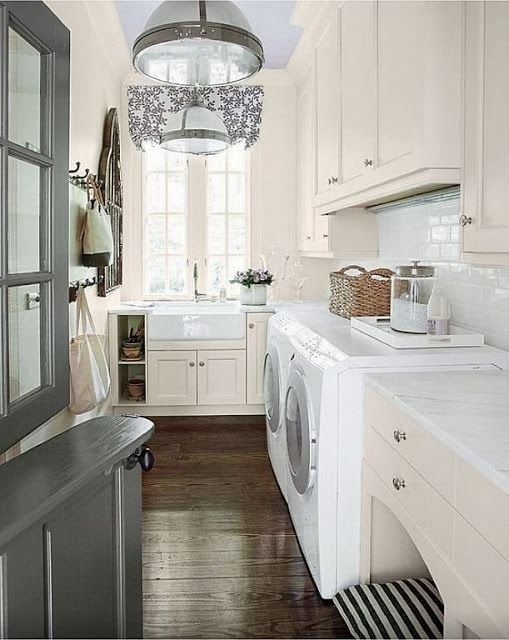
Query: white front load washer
{"points": [[275, 373], [324, 424]]}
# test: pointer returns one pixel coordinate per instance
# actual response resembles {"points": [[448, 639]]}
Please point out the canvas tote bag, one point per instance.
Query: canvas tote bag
{"points": [[96, 234], [89, 373]]}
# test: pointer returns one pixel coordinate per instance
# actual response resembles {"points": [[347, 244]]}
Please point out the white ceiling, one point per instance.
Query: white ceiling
{"points": [[269, 19]]}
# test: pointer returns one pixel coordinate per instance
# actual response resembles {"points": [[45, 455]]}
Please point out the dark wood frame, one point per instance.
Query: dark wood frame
{"points": [[110, 176], [35, 22]]}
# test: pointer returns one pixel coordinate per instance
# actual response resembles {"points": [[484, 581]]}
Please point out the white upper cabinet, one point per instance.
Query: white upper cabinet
{"points": [[327, 101], [387, 99], [486, 131], [357, 50]]}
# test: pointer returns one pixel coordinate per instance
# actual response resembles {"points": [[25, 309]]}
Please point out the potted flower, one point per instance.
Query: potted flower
{"points": [[253, 285]]}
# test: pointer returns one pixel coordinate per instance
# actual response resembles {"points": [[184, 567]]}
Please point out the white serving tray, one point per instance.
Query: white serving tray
{"points": [[379, 327]]}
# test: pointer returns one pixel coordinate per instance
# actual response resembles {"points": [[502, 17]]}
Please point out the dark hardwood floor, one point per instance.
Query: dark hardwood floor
{"points": [[220, 557]]}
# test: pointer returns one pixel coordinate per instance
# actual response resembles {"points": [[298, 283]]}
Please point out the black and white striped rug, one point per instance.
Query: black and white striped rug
{"points": [[401, 609]]}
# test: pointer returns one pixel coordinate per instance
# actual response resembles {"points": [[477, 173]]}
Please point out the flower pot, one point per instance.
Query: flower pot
{"points": [[131, 350], [256, 294], [136, 389]]}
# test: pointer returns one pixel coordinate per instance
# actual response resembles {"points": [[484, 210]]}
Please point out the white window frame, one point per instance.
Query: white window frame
{"points": [[197, 220]]}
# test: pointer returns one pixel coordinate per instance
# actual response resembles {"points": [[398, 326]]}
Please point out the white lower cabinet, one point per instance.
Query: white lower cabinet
{"points": [[171, 378], [257, 327], [183, 378], [222, 377]]}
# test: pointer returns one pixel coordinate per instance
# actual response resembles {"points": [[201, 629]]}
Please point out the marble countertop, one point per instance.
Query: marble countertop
{"points": [[467, 410]]}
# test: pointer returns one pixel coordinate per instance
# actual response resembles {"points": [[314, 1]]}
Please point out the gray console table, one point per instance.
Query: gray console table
{"points": [[70, 533]]}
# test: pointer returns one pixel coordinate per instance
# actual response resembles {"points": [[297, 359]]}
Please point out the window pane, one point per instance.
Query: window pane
{"points": [[24, 92], [154, 159], [217, 162], [156, 234], [177, 183], [23, 216], [237, 235], [236, 193], [217, 234], [24, 340], [216, 274], [155, 196], [156, 275], [237, 158], [176, 234], [177, 275], [175, 161], [217, 193]]}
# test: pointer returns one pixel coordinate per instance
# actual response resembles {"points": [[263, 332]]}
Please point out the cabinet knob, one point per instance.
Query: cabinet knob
{"points": [[192, 364], [399, 435], [308, 237], [325, 235], [398, 483], [143, 456], [334, 180], [368, 162], [464, 220], [202, 364], [329, 180], [251, 325]]}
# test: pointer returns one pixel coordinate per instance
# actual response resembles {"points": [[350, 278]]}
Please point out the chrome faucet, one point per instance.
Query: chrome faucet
{"points": [[197, 295]]}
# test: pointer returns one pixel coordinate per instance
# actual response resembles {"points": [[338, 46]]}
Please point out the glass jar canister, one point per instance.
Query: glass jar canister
{"points": [[411, 288]]}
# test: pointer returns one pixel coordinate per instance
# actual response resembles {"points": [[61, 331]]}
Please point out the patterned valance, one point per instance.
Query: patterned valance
{"points": [[239, 107]]}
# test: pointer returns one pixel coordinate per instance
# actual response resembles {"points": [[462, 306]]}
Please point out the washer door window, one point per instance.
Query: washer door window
{"points": [[300, 441], [271, 374]]}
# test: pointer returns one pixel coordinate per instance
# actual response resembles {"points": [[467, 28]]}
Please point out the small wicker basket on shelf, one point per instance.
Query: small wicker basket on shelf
{"points": [[366, 293]]}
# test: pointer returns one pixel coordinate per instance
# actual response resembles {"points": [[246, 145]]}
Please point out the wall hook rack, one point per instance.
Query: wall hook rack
{"points": [[81, 181], [75, 286]]}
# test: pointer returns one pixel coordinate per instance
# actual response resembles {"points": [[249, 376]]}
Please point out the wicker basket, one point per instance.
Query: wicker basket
{"points": [[367, 293]]}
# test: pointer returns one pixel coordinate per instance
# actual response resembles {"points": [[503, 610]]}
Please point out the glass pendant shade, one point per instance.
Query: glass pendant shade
{"points": [[194, 42], [195, 129]]}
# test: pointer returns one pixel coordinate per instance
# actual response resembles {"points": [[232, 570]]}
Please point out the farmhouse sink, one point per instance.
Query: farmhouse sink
{"points": [[196, 321]]}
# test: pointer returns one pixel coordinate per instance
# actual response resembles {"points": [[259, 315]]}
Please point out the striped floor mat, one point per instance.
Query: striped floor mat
{"points": [[401, 609]]}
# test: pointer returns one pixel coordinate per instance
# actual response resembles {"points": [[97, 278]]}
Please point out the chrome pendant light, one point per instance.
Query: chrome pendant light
{"points": [[195, 129], [195, 42]]}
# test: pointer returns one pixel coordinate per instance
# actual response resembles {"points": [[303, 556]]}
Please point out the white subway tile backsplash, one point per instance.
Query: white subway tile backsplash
{"points": [[427, 229]]}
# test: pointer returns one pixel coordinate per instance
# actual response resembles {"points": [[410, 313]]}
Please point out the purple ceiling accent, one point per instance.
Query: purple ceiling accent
{"points": [[269, 19]]}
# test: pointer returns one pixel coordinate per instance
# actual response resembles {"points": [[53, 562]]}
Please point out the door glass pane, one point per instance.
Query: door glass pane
{"points": [[24, 340], [24, 216], [24, 92]]}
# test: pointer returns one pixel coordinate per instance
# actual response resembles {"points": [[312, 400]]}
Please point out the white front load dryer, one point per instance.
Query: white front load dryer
{"points": [[275, 374]]}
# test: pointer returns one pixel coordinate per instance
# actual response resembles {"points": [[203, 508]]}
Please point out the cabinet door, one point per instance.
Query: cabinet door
{"points": [[486, 103], [222, 377], [399, 27], [305, 160], [327, 106], [171, 378], [257, 325], [357, 87]]}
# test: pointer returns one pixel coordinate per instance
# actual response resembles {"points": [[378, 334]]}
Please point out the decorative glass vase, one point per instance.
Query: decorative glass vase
{"points": [[256, 294]]}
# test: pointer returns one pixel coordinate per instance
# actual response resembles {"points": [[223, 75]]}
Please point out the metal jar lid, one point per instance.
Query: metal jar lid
{"points": [[415, 269]]}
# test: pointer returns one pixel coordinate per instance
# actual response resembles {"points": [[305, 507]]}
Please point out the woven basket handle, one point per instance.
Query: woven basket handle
{"points": [[383, 273], [352, 267]]}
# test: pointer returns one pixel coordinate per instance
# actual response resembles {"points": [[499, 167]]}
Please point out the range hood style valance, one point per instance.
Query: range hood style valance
{"points": [[149, 107]]}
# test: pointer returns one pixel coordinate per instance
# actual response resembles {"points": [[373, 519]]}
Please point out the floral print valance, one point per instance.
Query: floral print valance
{"points": [[239, 107]]}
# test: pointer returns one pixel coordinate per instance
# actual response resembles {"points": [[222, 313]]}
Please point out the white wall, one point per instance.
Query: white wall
{"points": [[273, 180], [99, 63]]}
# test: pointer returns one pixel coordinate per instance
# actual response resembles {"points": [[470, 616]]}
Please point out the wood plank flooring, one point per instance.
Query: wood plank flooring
{"points": [[220, 556]]}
